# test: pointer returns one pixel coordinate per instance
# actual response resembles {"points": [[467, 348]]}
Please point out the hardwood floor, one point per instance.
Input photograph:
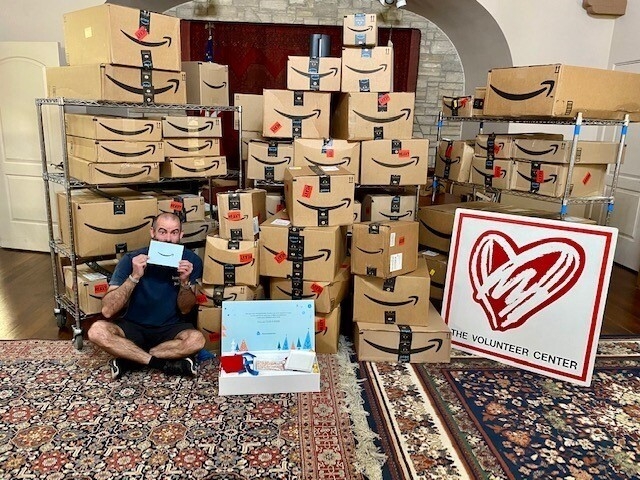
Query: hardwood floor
{"points": [[26, 299]]}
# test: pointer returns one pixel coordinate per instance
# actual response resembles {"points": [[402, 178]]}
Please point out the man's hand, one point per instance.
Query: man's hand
{"points": [[139, 264], [185, 267]]}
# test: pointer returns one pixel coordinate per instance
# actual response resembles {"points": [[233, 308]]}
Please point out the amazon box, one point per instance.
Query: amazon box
{"points": [[247, 138], [114, 151], [318, 74], [457, 106], [106, 222], [504, 145], [113, 128], [562, 91], [188, 206], [550, 179], [437, 264], [379, 342], [121, 35], [326, 295], [289, 114], [310, 253], [319, 196], [478, 101], [360, 30], [93, 282], [240, 213], [394, 162], [384, 207], [373, 116], [191, 147], [327, 152], [384, 249], [191, 126], [367, 69], [403, 300], [197, 230], [187, 167], [210, 325], [252, 112], [268, 159], [112, 173], [496, 173], [453, 160], [553, 151], [275, 203], [231, 262], [328, 330], [213, 295], [116, 83], [207, 83]]}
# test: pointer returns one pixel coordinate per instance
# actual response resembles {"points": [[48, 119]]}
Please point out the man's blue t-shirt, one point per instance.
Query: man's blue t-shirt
{"points": [[154, 300]]}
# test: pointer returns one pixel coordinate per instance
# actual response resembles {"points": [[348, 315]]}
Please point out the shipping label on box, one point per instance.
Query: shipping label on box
{"points": [[93, 283], [207, 83], [437, 264], [124, 36], [551, 151], [373, 116], [113, 128], [453, 160], [241, 212], [395, 162], [318, 74], [289, 114], [327, 152], [384, 207], [492, 174], [112, 173], [360, 30], [213, 295], [114, 151], [457, 106], [186, 167], [190, 126], [319, 196], [252, 112], [367, 69], [328, 331], [191, 147], [378, 342], [384, 249], [268, 159], [231, 262], [550, 179]]}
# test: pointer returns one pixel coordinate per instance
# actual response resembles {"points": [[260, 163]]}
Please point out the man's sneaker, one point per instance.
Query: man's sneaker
{"points": [[182, 366], [117, 368]]}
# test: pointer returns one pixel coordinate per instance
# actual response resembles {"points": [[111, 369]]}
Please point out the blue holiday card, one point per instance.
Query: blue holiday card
{"points": [[258, 325]]}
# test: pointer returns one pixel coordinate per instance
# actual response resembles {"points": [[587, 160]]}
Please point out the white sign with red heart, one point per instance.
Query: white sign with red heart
{"points": [[528, 292]]}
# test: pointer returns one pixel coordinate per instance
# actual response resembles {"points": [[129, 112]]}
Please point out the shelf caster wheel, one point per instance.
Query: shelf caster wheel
{"points": [[61, 317], [77, 342]]}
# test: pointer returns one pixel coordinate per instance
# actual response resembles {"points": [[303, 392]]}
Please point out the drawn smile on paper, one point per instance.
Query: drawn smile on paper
{"points": [[513, 283]]}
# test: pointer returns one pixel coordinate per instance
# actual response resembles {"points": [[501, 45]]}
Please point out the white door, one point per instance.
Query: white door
{"points": [[22, 202]]}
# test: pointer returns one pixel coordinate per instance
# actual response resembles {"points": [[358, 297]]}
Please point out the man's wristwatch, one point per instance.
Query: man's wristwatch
{"points": [[134, 280]]}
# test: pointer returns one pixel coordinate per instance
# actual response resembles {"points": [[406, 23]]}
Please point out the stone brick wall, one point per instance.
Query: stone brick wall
{"points": [[440, 69]]}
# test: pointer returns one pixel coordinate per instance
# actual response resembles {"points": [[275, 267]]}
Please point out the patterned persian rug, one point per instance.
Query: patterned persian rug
{"points": [[62, 417], [475, 418]]}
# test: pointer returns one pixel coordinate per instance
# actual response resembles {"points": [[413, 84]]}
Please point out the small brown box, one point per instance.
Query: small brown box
{"points": [[289, 114], [317, 74], [394, 162], [268, 159], [186, 167], [231, 262], [207, 83], [327, 329], [191, 126], [327, 152], [113, 128], [367, 69], [241, 212], [112, 173], [114, 151], [360, 30], [453, 160]]}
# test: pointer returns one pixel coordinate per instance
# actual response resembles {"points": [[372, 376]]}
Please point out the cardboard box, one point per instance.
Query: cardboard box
{"points": [[326, 295], [550, 179], [190, 207], [289, 114], [492, 173], [453, 160], [231, 262], [265, 333], [328, 331], [373, 116], [503, 145], [478, 101], [551, 151], [274, 203], [367, 69], [197, 230], [191, 147], [117, 221], [327, 152], [207, 83], [210, 324], [116, 83], [196, 167], [112, 173], [213, 295], [437, 264], [124, 36], [252, 112], [319, 196], [93, 283], [114, 151], [402, 300], [457, 106], [247, 138], [360, 29], [384, 249], [113, 128], [377, 342], [190, 126], [394, 162], [562, 91], [240, 213], [309, 253], [268, 159], [317, 74], [386, 207]]}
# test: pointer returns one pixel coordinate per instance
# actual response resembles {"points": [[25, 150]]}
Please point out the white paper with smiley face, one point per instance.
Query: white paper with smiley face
{"points": [[164, 253]]}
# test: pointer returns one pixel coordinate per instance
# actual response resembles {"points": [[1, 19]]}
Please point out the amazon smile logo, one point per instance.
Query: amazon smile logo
{"points": [[119, 231], [151, 149], [346, 202], [381, 68], [244, 217], [552, 178], [236, 265], [232, 297], [207, 144], [397, 217], [324, 252], [333, 71], [413, 161], [345, 161], [301, 297], [173, 83], [497, 147], [406, 113], [146, 170], [446, 236], [361, 30], [200, 231], [553, 149], [286, 160], [412, 299], [503, 173], [448, 161], [148, 128], [315, 113], [370, 252], [207, 126], [215, 87], [214, 164], [186, 212], [166, 41], [547, 86], [433, 343]]}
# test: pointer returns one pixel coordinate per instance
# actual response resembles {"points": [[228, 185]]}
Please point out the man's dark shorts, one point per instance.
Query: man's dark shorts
{"points": [[147, 337]]}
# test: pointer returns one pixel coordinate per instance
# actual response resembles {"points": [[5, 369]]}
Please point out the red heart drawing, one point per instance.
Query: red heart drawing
{"points": [[513, 283]]}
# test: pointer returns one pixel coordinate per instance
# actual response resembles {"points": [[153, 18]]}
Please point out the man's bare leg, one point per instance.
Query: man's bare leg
{"points": [[186, 343], [110, 338]]}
